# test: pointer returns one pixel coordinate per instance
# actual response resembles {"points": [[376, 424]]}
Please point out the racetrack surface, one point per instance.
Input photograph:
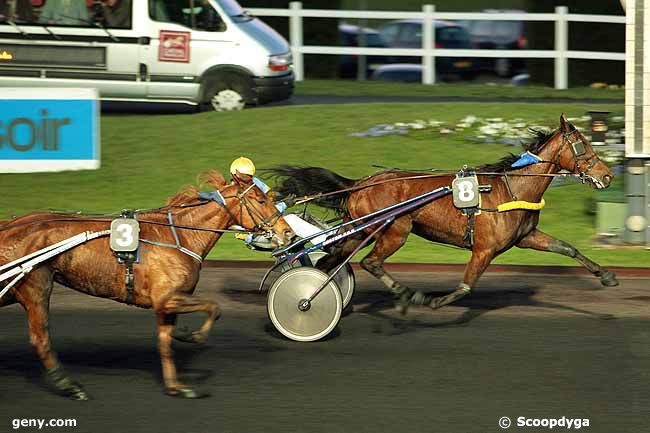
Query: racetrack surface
{"points": [[534, 346]]}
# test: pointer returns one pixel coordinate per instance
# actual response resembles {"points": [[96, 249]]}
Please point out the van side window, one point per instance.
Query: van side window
{"points": [[77, 13], [17, 11], [195, 14], [115, 14], [64, 13]]}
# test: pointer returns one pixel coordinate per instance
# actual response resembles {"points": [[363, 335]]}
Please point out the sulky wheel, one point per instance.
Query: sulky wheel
{"points": [[293, 316], [344, 278]]}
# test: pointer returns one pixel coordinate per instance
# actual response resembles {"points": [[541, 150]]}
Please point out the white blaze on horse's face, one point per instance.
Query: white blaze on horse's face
{"points": [[579, 157], [592, 169]]}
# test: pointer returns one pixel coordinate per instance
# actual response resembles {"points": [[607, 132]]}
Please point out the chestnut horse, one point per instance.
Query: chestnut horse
{"points": [[440, 221], [165, 277]]}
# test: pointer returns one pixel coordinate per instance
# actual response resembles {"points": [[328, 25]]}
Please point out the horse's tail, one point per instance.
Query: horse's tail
{"points": [[305, 181]]}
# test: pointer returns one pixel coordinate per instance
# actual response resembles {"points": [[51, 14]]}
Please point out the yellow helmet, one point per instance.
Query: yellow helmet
{"points": [[242, 165]]}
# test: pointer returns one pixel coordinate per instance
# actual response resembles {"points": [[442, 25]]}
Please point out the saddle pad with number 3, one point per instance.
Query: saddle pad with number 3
{"points": [[125, 234]]}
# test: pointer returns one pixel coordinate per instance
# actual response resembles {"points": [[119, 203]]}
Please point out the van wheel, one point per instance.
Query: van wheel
{"points": [[229, 92], [227, 100]]}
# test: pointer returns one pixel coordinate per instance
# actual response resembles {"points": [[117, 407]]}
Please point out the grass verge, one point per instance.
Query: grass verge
{"points": [[146, 158]]}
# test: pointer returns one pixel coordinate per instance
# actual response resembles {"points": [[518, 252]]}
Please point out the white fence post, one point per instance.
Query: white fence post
{"points": [[561, 47], [428, 42], [295, 38]]}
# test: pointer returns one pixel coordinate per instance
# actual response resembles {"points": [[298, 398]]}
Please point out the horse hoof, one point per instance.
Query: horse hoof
{"points": [[187, 336], [608, 279], [65, 386], [418, 298], [185, 393], [74, 391], [79, 395], [402, 304]]}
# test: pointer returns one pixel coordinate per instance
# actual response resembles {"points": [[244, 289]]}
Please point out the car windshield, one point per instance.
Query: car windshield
{"points": [[452, 34], [374, 40], [506, 29], [234, 11]]}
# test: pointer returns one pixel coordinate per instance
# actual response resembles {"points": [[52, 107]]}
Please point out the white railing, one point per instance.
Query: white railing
{"points": [[561, 53]]}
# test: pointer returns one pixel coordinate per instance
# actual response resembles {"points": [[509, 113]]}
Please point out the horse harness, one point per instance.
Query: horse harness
{"points": [[578, 151], [131, 257]]}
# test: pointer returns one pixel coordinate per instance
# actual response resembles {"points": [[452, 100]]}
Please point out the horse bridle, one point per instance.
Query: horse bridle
{"points": [[578, 149], [262, 224]]}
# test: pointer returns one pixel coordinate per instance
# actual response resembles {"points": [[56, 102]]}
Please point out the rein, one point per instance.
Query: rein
{"points": [[309, 198], [107, 218], [566, 139], [104, 220]]}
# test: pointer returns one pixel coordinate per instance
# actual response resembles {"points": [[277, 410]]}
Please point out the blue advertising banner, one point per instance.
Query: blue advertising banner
{"points": [[48, 130]]}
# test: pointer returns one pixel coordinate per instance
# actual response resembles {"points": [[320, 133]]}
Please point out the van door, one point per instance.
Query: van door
{"points": [[185, 36]]}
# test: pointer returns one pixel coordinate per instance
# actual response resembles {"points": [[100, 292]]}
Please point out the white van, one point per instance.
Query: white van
{"points": [[188, 51]]}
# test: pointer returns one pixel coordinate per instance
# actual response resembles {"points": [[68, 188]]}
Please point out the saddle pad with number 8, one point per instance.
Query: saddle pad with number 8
{"points": [[466, 192]]}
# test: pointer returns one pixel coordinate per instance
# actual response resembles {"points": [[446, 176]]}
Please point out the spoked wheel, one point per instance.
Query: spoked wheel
{"points": [[294, 316], [344, 278]]}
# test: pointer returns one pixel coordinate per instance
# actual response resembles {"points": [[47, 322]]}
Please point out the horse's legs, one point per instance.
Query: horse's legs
{"points": [[166, 323], [34, 296], [539, 240], [479, 261], [338, 252], [388, 242], [181, 303]]}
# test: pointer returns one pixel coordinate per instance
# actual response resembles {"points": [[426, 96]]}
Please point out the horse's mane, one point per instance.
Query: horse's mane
{"points": [[505, 163], [188, 193]]}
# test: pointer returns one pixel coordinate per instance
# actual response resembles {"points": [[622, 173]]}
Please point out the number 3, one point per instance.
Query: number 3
{"points": [[126, 232]]}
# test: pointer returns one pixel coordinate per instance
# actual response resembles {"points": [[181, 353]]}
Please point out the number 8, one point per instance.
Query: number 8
{"points": [[466, 191]]}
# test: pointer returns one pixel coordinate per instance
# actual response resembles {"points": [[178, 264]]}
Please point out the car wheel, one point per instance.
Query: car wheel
{"points": [[503, 68], [469, 76]]}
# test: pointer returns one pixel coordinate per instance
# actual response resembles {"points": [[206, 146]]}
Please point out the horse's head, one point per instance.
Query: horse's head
{"points": [[254, 210], [577, 156]]}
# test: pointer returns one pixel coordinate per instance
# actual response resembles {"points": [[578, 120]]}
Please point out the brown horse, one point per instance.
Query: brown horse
{"points": [[165, 277], [441, 221]]}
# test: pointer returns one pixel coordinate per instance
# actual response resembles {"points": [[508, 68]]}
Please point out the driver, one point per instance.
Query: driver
{"points": [[301, 227]]}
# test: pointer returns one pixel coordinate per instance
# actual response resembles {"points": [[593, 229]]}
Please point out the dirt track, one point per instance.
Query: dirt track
{"points": [[520, 345]]}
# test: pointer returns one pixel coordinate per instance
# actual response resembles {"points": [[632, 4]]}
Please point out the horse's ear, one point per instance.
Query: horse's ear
{"points": [[564, 123], [242, 179]]}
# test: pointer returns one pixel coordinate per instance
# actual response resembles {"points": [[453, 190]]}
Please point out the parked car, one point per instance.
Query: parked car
{"points": [[408, 34], [498, 35], [350, 36], [399, 72]]}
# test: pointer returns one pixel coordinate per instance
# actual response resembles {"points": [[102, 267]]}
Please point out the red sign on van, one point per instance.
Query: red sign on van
{"points": [[174, 46]]}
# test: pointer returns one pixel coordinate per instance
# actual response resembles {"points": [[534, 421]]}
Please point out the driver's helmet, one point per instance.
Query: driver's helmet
{"points": [[242, 165]]}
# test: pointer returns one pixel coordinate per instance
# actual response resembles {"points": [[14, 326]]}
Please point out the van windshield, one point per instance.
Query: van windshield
{"points": [[234, 11]]}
